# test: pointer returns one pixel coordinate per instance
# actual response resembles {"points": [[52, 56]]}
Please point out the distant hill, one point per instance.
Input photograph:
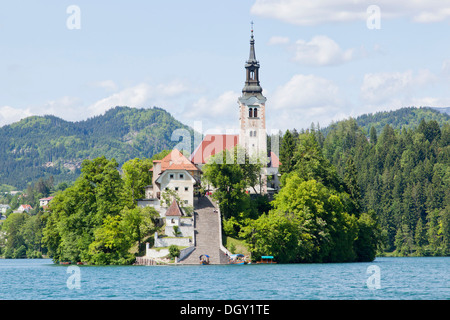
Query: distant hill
{"points": [[41, 146], [402, 118], [442, 110]]}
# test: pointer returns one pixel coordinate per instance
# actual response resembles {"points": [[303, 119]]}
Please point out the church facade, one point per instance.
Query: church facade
{"points": [[181, 176], [252, 129]]}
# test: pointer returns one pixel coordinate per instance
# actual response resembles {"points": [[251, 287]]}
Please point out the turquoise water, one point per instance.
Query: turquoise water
{"points": [[399, 278]]}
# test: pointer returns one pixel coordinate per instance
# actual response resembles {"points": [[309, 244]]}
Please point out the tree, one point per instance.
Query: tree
{"points": [[139, 222], [352, 187], [12, 227], [112, 243], [287, 149], [137, 176], [81, 209], [231, 181], [369, 237], [373, 135], [274, 234]]}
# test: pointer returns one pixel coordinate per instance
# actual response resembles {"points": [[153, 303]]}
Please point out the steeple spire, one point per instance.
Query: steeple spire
{"points": [[252, 56], [252, 87]]}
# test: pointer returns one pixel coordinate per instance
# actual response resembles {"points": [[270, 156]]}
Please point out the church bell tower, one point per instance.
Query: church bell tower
{"points": [[252, 114]]}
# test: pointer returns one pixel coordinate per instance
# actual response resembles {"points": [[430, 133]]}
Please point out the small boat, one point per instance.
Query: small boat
{"points": [[65, 262], [266, 260], [204, 259], [238, 259]]}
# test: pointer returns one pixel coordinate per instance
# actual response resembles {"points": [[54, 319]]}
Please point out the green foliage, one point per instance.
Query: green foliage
{"points": [[24, 234], [404, 118], [231, 181], [287, 148], [315, 216], [95, 220], [403, 176], [40, 147], [136, 176], [174, 251]]}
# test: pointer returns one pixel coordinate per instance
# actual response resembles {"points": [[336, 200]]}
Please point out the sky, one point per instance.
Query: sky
{"points": [[321, 60]]}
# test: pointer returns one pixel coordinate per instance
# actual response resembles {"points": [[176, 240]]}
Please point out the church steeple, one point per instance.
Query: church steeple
{"points": [[252, 86], [252, 113]]}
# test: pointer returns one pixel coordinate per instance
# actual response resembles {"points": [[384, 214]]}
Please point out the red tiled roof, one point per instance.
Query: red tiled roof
{"points": [[49, 198], [274, 160], [174, 210], [175, 160], [213, 144]]}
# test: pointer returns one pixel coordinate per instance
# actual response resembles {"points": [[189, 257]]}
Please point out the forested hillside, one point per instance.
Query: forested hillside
{"points": [[402, 175], [40, 147], [404, 118]]}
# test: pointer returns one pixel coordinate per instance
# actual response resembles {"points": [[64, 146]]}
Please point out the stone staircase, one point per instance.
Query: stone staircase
{"points": [[207, 234]]}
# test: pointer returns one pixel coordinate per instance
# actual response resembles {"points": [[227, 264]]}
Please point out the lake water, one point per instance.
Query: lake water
{"points": [[384, 278]]}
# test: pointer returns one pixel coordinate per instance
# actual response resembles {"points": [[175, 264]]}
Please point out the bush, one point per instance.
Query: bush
{"points": [[174, 251]]}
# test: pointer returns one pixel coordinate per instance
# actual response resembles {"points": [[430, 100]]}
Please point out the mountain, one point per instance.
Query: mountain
{"points": [[43, 146], [442, 110], [407, 118]]}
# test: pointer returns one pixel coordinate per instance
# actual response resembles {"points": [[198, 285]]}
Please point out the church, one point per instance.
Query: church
{"points": [[180, 177], [252, 129]]}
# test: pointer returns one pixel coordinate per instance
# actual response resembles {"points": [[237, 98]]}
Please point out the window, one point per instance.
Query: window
{"points": [[176, 188], [186, 201], [181, 176], [171, 176], [186, 188], [251, 133], [255, 113], [250, 113]]}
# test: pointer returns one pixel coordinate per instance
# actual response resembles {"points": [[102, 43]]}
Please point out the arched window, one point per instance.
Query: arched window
{"points": [[251, 133], [250, 112], [255, 113]]}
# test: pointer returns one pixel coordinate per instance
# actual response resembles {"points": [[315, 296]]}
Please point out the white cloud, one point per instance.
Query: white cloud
{"points": [[133, 97], [217, 115], [302, 100], [385, 86], [323, 11], [321, 51], [67, 108], [141, 95], [9, 114], [385, 91]]}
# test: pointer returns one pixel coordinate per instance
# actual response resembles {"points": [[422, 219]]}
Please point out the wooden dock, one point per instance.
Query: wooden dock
{"points": [[145, 261]]}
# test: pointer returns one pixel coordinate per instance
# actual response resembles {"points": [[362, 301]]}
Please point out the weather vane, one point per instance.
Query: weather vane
{"points": [[252, 25]]}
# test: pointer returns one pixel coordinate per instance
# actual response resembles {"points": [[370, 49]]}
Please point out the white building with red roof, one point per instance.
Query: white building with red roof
{"points": [[45, 201], [175, 173], [24, 208]]}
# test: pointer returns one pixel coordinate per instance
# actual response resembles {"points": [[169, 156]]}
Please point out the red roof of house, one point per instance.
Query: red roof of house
{"points": [[174, 210], [274, 160], [213, 144], [48, 199], [175, 160]]}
